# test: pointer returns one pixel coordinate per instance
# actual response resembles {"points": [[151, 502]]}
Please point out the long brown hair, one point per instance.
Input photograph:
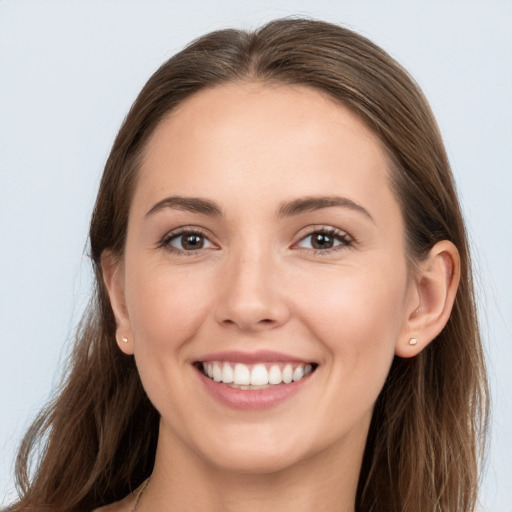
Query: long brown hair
{"points": [[95, 442]]}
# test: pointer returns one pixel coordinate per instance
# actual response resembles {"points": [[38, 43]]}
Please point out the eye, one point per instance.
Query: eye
{"points": [[186, 241], [325, 239]]}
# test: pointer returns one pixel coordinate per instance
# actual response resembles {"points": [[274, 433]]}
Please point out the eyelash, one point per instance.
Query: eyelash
{"points": [[341, 236], [166, 241]]}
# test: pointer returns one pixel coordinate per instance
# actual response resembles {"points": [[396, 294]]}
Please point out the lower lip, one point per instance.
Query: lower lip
{"points": [[256, 399]]}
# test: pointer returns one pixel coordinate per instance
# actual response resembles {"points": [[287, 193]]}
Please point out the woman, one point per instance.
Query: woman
{"points": [[284, 315]]}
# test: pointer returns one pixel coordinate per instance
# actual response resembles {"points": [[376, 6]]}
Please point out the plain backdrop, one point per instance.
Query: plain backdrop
{"points": [[69, 71]]}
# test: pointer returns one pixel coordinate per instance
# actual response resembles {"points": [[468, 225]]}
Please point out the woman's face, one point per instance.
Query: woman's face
{"points": [[264, 243]]}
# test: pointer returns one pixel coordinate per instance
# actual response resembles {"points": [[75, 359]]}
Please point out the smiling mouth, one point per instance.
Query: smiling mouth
{"points": [[255, 376]]}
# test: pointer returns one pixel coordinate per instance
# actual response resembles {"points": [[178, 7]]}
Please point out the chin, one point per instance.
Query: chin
{"points": [[257, 452], [256, 462]]}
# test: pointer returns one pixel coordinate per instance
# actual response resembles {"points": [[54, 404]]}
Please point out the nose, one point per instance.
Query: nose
{"points": [[251, 296]]}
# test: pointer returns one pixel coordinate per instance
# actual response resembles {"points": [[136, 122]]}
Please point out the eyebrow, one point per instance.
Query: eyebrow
{"points": [[288, 209], [309, 204], [189, 204]]}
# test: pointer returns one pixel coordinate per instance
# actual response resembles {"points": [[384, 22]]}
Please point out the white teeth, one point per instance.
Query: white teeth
{"points": [[228, 375], [260, 375], [274, 375], [217, 372], [298, 373], [287, 374], [242, 375]]}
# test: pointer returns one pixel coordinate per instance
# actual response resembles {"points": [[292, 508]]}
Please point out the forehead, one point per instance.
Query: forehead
{"points": [[246, 139]]}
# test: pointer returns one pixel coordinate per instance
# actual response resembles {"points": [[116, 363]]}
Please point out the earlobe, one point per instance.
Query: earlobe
{"points": [[113, 277], [435, 287]]}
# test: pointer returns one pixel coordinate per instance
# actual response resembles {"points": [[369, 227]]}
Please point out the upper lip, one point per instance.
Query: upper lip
{"points": [[259, 356]]}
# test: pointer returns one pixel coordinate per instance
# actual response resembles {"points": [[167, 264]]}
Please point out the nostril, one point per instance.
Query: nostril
{"points": [[251, 315], [263, 321]]}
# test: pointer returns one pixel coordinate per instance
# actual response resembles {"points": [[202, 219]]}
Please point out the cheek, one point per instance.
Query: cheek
{"points": [[355, 301], [165, 308], [166, 311], [357, 315]]}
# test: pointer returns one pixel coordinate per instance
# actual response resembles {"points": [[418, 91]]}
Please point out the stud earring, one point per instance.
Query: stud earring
{"points": [[413, 341], [125, 339]]}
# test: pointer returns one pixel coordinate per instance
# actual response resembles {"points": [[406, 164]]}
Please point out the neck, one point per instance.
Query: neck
{"points": [[182, 480]]}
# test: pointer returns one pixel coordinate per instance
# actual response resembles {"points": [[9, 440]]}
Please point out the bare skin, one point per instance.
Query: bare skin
{"points": [[277, 262]]}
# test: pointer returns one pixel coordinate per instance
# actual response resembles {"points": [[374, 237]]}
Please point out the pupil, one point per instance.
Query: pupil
{"points": [[322, 241], [192, 242]]}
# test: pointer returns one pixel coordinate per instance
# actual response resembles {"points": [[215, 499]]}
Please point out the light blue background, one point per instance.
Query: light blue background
{"points": [[69, 71]]}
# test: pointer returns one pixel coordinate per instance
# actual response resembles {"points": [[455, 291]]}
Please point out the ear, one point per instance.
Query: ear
{"points": [[113, 277], [431, 300]]}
